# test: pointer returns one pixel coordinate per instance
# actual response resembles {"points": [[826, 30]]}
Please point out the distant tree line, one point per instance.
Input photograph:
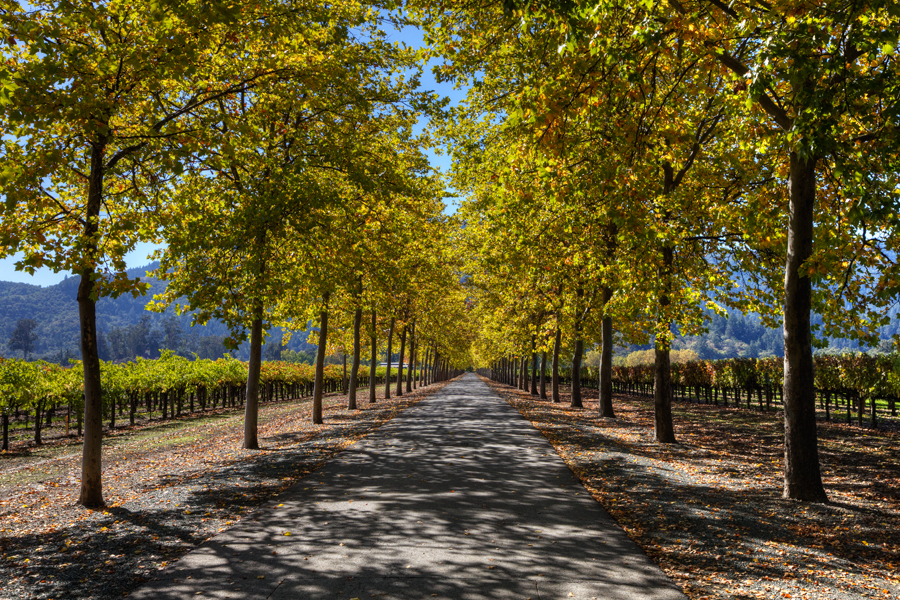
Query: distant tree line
{"points": [[142, 339], [746, 336]]}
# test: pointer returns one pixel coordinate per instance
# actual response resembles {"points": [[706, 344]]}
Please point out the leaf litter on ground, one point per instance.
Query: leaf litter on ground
{"points": [[709, 510], [168, 487]]}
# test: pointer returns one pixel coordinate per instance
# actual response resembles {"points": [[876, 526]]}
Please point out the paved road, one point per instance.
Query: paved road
{"points": [[459, 497]]}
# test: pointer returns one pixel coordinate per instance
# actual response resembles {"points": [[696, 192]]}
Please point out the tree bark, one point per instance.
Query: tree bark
{"points": [[37, 421], [554, 382], [412, 354], [662, 379], [320, 362], [802, 477], [525, 379], [606, 345], [662, 396], [543, 375], [422, 364], [354, 369], [91, 495], [374, 364], [576, 372], [400, 362], [523, 375], [387, 372], [251, 406]]}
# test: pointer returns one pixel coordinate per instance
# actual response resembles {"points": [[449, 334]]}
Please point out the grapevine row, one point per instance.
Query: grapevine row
{"points": [[167, 387], [859, 380]]}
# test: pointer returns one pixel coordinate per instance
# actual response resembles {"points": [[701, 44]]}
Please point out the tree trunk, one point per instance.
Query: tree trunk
{"points": [[91, 495], [802, 477], [387, 373], [662, 377], [400, 363], [320, 363], [534, 374], [354, 370], [412, 351], [374, 364], [434, 358], [38, 422], [554, 382], [5, 431], [606, 346], [576, 372], [524, 375], [422, 363], [544, 375], [662, 396], [251, 407], [520, 365]]}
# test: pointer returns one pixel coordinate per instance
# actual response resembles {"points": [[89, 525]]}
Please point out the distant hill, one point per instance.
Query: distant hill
{"points": [[745, 336], [126, 328]]}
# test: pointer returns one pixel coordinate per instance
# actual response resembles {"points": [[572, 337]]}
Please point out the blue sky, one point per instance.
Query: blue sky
{"points": [[139, 256]]}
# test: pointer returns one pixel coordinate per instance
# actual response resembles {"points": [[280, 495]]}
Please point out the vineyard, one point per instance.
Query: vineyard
{"points": [[860, 382], [35, 394], [857, 386]]}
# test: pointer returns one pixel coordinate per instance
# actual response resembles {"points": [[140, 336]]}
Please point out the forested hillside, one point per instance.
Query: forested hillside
{"points": [[126, 328], [746, 336], [129, 330]]}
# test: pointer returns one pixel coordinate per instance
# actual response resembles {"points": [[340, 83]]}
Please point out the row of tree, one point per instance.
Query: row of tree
{"points": [[640, 163], [270, 147]]}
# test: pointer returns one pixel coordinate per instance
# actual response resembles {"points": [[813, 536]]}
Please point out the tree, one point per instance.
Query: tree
{"points": [[281, 168], [23, 337], [95, 95], [811, 99], [172, 333], [820, 81]]}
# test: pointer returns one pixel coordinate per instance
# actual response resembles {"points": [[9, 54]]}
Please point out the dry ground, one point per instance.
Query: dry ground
{"points": [[169, 486], [709, 509]]}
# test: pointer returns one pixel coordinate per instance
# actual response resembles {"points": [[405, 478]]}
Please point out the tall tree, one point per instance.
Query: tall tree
{"points": [[23, 337], [95, 104]]}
